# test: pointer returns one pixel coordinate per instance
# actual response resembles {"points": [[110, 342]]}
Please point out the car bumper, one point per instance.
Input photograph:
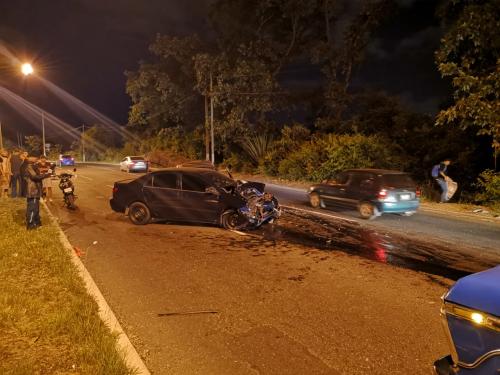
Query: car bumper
{"points": [[398, 207], [142, 168], [115, 206], [70, 163]]}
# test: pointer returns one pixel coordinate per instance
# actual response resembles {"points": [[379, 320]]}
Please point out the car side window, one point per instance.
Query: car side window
{"points": [[367, 182], [148, 181], [165, 180], [342, 178], [192, 183], [356, 179]]}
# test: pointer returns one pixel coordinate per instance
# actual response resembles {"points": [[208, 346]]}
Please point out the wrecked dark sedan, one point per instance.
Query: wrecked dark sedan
{"points": [[194, 195]]}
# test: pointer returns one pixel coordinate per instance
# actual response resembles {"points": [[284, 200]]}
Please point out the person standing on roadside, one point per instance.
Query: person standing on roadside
{"points": [[5, 173], [33, 179], [442, 179], [24, 163], [44, 167], [16, 179]]}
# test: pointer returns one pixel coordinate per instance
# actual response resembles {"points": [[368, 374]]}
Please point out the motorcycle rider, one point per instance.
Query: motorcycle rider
{"points": [[33, 179]]}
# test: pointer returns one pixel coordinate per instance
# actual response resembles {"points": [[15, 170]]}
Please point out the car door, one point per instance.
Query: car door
{"points": [[334, 191], [368, 187], [199, 205], [163, 196], [359, 184], [123, 164]]}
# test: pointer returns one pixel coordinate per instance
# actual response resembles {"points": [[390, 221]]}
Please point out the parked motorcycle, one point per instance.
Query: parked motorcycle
{"points": [[68, 189]]}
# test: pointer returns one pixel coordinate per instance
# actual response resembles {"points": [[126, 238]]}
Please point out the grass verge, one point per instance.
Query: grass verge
{"points": [[49, 324]]}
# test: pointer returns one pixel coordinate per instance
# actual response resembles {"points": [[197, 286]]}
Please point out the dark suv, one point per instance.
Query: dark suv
{"points": [[372, 191]]}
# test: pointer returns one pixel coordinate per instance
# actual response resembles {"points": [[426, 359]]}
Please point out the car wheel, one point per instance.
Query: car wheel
{"points": [[367, 211], [316, 200], [231, 220], [139, 213]]}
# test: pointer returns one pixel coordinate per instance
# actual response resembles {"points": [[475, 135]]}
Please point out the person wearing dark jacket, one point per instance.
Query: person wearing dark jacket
{"points": [[24, 156], [33, 179], [15, 180]]}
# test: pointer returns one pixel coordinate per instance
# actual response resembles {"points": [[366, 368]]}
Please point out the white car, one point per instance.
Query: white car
{"points": [[134, 164]]}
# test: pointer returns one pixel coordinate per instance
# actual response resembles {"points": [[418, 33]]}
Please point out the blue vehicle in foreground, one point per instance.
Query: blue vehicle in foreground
{"points": [[471, 320]]}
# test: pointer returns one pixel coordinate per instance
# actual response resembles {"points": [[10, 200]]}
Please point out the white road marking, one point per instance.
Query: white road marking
{"points": [[88, 178], [321, 214], [288, 188], [238, 232]]}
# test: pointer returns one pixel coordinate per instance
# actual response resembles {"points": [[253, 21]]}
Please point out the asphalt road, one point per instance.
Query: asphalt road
{"points": [[452, 228], [311, 295]]}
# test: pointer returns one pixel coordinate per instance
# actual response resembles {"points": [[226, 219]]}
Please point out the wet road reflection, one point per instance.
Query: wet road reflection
{"points": [[437, 257]]}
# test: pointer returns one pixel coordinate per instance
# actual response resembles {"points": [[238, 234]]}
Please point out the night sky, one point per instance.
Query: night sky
{"points": [[84, 46]]}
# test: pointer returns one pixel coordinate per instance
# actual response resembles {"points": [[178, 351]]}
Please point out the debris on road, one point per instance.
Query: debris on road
{"points": [[188, 313], [79, 252]]}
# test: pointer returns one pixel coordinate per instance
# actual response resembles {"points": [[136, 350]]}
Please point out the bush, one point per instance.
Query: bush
{"points": [[325, 156], [488, 183], [240, 163], [292, 137]]}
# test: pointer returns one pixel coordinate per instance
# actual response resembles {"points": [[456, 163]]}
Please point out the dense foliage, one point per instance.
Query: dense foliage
{"points": [[265, 122], [470, 57]]}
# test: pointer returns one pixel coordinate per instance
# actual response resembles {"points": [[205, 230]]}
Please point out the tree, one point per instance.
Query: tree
{"points": [[162, 92], [470, 56], [33, 144]]}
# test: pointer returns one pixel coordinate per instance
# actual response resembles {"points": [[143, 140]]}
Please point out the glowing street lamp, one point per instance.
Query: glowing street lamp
{"points": [[27, 69]]}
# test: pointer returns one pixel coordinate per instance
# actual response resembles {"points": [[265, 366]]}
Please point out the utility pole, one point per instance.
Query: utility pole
{"points": [[43, 133], [207, 132], [1, 136], [83, 143], [212, 118]]}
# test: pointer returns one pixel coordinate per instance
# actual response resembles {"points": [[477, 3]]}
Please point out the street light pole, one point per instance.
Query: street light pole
{"points": [[1, 136], [83, 143], [212, 118], [43, 133]]}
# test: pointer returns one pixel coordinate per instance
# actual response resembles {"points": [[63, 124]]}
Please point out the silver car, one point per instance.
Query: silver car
{"points": [[134, 164]]}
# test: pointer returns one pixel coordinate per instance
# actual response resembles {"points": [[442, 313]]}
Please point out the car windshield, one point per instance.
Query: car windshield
{"points": [[136, 158], [398, 180], [221, 181]]}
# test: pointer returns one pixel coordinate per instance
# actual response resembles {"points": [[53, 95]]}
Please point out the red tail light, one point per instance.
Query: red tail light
{"points": [[418, 193], [115, 189], [382, 194]]}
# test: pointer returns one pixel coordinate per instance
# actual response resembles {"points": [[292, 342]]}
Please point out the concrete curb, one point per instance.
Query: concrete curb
{"points": [[124, 346]]}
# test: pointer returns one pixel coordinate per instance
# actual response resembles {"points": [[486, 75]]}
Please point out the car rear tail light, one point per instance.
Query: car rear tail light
{"points": [[115, 189], [418, 193], [382, 194]]}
